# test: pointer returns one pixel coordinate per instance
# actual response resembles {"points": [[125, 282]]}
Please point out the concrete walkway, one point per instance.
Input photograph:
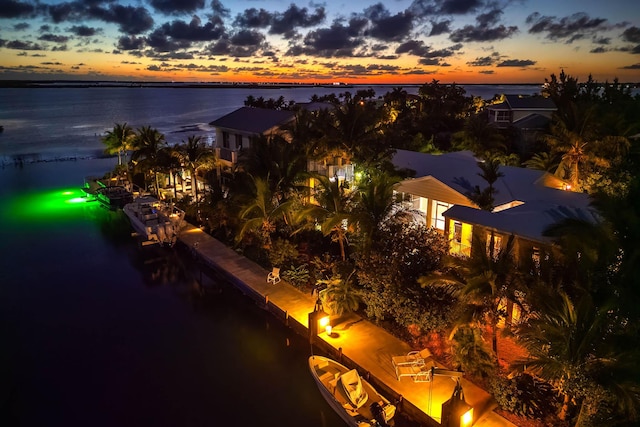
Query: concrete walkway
{"points": [[367, 346]]}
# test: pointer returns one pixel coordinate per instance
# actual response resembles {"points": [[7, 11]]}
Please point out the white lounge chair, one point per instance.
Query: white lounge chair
{"points": [[412, 357], [274, 276], [418, 372]]}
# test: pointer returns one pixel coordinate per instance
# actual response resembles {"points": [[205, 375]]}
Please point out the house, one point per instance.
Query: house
{"points": [[528, 116], [526, 201], [238, 129]]}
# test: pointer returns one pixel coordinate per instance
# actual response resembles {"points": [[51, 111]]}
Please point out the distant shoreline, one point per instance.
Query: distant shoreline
{"points": [[46, 84]]}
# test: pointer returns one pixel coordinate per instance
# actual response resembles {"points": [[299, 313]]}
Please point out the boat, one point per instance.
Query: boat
{"points": [[110, 196], [352, 397], [155, 222]]}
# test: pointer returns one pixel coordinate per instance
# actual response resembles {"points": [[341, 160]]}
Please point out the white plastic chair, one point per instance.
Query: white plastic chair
{"points": [[274, 276]]}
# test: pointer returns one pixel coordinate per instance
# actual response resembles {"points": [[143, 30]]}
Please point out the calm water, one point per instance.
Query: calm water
{"points": [[68, 122], [95, 332]]}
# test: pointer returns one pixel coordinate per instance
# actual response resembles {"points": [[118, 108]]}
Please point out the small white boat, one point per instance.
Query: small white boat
{"points": [[155, 221], [352, 397]]}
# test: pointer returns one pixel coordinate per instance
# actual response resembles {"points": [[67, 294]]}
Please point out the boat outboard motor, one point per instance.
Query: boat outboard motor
{"points": [[378, 414]]}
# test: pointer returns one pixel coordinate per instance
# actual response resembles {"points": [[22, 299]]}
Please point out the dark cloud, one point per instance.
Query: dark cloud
{"points": [[226, 47], [602, 40], [21, 26], [457, 7], [516, 63], [253, 18], [487, 72], [131, 20], [429, 61], [84, 31], [169, 7], [438, 28], [484, 61], [413, 47], [483, 31], [193, 31], [336, 41], [130, 43], [247, 38], [294, 17], [599, 49], [53, 38], [219, 9], [472, 33], [15, 9], [23, 45], [631, 67], [570, 28], [631, 34], [386, 27]]}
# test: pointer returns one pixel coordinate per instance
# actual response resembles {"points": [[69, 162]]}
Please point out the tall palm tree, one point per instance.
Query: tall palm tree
{"points": [[333, 211], [118, 140], [261, 212], [194, 156], [146, 145], [571, 343]]}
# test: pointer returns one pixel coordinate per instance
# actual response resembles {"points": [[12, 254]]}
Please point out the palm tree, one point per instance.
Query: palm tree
{"points": [[118, 140], [571, 344], [261, 212], [333, 211], [195, 155], [146, 145]]}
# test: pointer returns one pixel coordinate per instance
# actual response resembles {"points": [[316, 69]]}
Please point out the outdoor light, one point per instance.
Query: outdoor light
{"points": [[328, 329], [318, 320], [456, 412]]}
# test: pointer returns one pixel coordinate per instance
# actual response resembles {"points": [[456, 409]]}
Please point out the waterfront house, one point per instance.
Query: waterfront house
{"points": [[527, 116], [526, 201], [244, 126]]}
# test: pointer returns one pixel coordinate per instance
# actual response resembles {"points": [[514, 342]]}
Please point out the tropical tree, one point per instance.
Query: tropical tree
{"points": [[333, 211], [340, 295], [146, 145], [572, 342], [119, 140], [261, 213], [194, 156]]}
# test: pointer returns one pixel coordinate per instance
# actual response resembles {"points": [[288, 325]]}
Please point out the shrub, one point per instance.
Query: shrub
{"points": [[297, 276], [525, 396]]}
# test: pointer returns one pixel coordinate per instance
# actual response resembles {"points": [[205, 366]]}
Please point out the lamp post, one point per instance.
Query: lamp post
{"points": [[456, 412], [318, 321]]}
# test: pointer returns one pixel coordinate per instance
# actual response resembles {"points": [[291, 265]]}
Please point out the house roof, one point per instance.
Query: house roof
{"points": [[530, 219], [253, 120], [533, 199], [530, 103], [460, 171]]}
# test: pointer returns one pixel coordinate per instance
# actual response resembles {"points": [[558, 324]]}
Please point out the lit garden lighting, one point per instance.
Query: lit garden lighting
{"points": [[319, 321]]}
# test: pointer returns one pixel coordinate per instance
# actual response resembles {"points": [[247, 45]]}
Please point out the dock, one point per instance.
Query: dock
{"points": [[354, 341]]}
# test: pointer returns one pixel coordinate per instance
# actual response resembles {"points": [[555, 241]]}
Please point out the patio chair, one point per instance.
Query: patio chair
{"points": [[274, 276], [418, 372], [412, 357]]}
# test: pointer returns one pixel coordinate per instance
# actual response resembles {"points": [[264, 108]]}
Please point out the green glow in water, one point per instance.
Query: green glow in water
{"points": [[61, 204]]}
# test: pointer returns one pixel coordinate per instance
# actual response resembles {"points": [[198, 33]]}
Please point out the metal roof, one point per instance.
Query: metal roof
{"points": [[253, 120]]}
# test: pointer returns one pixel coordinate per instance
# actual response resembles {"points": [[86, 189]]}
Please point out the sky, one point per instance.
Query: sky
{"points": [[326, 42]]}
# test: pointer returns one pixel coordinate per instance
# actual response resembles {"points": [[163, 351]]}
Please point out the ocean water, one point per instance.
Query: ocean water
{"points": [[96, 332], [59, 123]]}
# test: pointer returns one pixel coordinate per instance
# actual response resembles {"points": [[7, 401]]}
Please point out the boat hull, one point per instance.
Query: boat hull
{"points": [[326, 373], [154, 221]]}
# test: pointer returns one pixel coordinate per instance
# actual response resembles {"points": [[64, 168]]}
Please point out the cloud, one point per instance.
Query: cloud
{"points": [[569, 28], [631, 34], [23, 45], [483, 31], [84, 31], [516, 63], [294, 17], [21, 26], [15, 9], [413, 47], [336, 41], [253, 18], [53, 38], [438, 28], [387, 27], [176, 6], [130, 43], [631, 67]]}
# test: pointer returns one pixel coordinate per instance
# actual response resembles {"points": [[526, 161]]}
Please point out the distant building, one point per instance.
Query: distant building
{"points": [[527, 115]]}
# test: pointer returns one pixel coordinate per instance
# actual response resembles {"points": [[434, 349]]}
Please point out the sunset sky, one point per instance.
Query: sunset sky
{"points": [[352, 41]]}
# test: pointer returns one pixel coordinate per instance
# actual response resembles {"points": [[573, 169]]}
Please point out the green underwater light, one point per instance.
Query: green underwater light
{"points": [[50, 205]]}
